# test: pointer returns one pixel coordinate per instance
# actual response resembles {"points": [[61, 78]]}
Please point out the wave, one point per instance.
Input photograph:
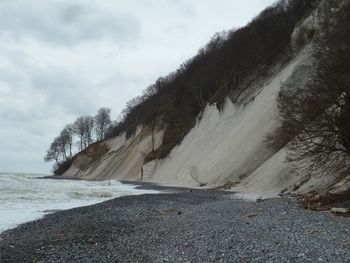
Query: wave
{"points": [[79, 195], [23, 198]]}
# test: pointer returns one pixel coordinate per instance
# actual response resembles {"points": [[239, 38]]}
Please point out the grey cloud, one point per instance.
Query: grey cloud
{"points": [[73, 13], [75, 95], [177, 29], [184, 7], [61, 22]]}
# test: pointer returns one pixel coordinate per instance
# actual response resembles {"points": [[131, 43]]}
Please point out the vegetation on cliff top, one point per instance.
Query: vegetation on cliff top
{"points": [[82, 133]]}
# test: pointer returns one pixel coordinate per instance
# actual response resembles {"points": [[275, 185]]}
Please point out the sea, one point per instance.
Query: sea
{"points": [[24, 198]]}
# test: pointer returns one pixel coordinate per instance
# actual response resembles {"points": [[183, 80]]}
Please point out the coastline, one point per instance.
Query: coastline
{"points": [[24, 199], [189, 225], [138, 185], [58, 177]]}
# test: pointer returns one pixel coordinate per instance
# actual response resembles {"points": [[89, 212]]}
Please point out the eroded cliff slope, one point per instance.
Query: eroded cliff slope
{"points": [[227, 144]]}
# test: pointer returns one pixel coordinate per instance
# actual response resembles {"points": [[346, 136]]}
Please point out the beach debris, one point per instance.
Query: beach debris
{"points": [[228, 185], [159, 213], [317, 207], [252, 215], [339, 210], [52, 210], [167, 212]]}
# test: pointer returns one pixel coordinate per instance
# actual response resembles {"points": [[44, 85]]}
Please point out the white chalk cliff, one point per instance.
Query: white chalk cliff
{"points": [[226, 146]]}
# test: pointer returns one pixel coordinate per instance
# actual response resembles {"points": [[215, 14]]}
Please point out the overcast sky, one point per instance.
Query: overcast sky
{"points": [[60, 59]]}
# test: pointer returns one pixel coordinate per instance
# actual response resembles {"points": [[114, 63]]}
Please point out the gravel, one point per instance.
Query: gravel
{"points": [[188, 226]]}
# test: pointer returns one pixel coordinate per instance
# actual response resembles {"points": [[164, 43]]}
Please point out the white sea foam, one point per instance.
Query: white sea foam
{"points": [[23, 198]]}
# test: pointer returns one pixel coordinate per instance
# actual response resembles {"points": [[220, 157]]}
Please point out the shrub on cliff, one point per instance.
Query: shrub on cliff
{"points": [[316, 119]]}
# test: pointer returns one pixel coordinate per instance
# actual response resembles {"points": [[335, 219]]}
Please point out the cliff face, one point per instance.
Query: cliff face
{"points": [[226, 146], [116, 158]]}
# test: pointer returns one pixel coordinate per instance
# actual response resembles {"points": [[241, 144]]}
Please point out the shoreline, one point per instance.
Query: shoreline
{"points": [[75, 197], [58, 177], [186, 226], [138, 185]]}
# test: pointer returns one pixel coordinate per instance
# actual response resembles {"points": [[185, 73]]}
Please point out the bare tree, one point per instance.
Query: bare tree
{"points": [[315, 119], [58, 150], [79, 130], [53, 153], [67, 137], [102, 121], [62, 146], [83, 127], [198, 96], [89, 126]]}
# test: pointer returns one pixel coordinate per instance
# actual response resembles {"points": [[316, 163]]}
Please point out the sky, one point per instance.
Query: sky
{"points": [[61, 59]]}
